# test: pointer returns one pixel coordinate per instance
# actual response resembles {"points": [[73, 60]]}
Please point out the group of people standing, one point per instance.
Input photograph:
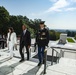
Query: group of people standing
{"points": [[42, 40]]}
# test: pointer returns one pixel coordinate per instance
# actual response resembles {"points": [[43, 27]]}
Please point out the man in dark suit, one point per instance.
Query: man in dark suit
{"points": [[42, 40], [25, 40]]}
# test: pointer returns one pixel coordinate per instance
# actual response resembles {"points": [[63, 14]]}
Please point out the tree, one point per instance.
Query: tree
{"points": [[68, 33], [72, 33], [52, 35], [4, 19], [16, 22], [75, 37]]}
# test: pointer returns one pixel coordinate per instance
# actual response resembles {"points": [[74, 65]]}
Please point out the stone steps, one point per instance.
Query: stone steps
{"points": [[65, 66]]}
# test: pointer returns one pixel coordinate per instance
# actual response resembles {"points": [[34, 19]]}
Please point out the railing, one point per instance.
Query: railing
{"points": [[62, 50], [45, 59], [57, 55]]}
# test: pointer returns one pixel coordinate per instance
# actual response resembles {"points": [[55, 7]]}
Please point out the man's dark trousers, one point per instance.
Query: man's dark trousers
{"points": [[22, 52]]}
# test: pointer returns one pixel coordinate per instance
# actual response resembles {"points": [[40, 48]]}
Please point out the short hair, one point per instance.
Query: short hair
{"points": [[24, 25]]}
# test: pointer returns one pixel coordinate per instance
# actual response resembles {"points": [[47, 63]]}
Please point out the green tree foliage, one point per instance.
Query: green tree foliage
{"points": [[75, 37], [54, 35], [57, 35], [34, 24], [16, 22], [73, 33], [70, 33], [4, 19]]}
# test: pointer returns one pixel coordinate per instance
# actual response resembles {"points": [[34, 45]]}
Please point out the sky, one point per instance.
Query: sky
{"points": [[57, 14]]}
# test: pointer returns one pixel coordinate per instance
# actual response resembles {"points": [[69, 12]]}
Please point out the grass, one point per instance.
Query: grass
{"points": [[70, 40]]}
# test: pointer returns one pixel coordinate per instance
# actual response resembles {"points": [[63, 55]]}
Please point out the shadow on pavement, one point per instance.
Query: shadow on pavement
{"points": [[8, 69], [4, 60], [33, 71]]}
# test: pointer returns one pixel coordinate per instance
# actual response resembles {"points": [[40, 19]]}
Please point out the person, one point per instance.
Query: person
{"points": [[25, 40], [11, 40], [42, 40], [2, 41]]}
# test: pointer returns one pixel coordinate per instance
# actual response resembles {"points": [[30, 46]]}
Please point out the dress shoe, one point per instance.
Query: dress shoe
{"points": [[21, 60], [27, 59], [39, 64], [43, 62]]}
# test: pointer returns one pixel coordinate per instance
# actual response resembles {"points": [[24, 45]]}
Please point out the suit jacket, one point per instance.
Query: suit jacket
{"points": [[25, 39]]}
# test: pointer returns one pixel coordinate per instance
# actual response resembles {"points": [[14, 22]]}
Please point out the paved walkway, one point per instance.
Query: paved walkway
{"points": [[66, 65], [14, 67]]}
